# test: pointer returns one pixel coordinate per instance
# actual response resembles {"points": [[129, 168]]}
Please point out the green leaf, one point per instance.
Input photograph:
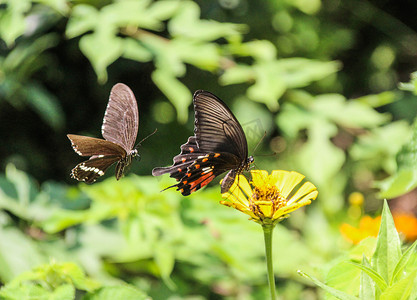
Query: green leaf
{"points": [[83, 18], [261, 50], [101, 48], [12, 20], [300, 72], [380, 145], [237, 74], [320, 159], [134, 50], [18, 253], [378, 100], [187, 23], [336, 293], [405, 179], [388, 247], [165, 260], [377, 278], [410, 86], [351, 113], [175, 91], [401, 290], [344, 277], [125, 292], [367, 289], [269, 86], [405, 258]]}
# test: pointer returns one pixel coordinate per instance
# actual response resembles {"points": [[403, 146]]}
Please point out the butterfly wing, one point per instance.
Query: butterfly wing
{"points": [[219, 145], [93, 168], [204, 169], [89, 146], [121, 120], [189, 153], [216, 128]]}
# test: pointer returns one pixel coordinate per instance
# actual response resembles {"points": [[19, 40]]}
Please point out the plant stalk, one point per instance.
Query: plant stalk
{"points": [[268, 229]]}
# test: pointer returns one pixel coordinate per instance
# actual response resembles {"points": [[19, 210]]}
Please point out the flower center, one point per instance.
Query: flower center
{"points": [[266, 200]]}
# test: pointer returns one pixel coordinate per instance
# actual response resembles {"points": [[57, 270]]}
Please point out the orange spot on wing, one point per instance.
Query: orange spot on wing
{"points": [[197, 166], [188, 174], [191, 149], [183, 159], [216, 154], [179, 170], [205, 159]]}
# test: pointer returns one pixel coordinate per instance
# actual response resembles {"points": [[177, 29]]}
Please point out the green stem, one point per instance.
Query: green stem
{"points": [[268, 229]]}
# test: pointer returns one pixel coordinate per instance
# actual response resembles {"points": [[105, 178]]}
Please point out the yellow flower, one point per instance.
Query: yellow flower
{"points": [[269, 198], [368, 226]]}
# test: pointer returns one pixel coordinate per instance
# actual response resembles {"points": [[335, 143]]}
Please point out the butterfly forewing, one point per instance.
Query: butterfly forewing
{"points": [[89, 146], [121, 120], [216, 128]]}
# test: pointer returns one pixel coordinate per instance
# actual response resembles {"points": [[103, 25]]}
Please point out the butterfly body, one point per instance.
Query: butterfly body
{"points": [[218, 145], [119, 129]]}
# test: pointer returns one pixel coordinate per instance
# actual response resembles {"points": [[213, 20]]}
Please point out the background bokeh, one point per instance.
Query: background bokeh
{"points": [[321, 78]]}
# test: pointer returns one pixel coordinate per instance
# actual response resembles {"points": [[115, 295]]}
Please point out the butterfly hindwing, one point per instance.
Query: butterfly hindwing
{"points": [[204, 169], [189, 153], [93, 168]]}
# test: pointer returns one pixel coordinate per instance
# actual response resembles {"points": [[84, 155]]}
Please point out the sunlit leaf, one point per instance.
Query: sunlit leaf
{"points": [[12, 20], [124, 292], [319, 158], [405, 258], [388, 247], [187, 23], [336, 293], [101, 49], [83, 18], [367, 287], [405, 179], [400, 290]]}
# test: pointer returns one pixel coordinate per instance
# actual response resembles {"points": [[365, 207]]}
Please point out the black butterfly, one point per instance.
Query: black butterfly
{"points": [[120, 127], [218, 145]]}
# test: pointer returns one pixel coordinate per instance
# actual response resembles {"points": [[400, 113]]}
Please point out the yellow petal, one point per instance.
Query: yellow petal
{"points": [[286, 181], [259, 177], [306, 188]]}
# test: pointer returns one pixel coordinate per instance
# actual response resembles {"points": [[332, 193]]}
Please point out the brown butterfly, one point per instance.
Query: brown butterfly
{"points": [[119, 129]]}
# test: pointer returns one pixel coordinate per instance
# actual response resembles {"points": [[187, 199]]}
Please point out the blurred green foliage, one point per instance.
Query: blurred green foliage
{"points": [[319, 77]]}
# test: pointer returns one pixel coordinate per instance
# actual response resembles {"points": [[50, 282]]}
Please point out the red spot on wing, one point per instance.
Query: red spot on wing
{"points": [[203, 180], [191, 149], [179, 170], [183, 159]]}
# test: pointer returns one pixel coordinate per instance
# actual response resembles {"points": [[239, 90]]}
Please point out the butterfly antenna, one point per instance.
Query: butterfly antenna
{"points": [[149, 135]]}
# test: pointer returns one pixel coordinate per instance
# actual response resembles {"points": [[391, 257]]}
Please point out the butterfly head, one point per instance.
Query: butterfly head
{"points": [[249, 161], [134, 153]]}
